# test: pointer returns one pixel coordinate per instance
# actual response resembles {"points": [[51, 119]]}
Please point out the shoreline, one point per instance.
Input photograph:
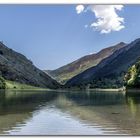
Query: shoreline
{"points": [[133, 90], [64, 90], [109, 89]]}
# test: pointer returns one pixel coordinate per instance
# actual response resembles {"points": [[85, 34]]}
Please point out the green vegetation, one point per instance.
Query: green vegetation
{"points": [[102, 83], [16, 85], [6, 84], [132, 78], [2, 83]]}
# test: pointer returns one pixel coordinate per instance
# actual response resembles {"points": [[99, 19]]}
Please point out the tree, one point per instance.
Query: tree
{"points": [[2, 83]]}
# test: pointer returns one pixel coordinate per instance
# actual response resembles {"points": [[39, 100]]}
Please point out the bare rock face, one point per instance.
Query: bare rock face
{"points": [[16, 67]]}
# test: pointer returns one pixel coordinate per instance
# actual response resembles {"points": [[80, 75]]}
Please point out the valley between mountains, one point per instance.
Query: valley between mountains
{"points": [[111, 68]]}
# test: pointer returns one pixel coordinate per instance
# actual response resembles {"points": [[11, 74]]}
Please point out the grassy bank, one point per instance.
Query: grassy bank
{"points": [[16, 85]]}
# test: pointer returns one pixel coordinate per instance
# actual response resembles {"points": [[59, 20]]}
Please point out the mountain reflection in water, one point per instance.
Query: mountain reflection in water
{"points": [[69, 113]]}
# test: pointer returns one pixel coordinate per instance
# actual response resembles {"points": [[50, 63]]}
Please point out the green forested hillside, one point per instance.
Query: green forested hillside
{"points": [[132, 78]]}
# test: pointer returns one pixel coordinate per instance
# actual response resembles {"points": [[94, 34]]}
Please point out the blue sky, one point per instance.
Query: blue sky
{"points": [[54, 35]]}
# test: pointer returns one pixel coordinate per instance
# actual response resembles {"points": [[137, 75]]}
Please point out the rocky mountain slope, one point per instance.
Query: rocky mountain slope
{"points": [[109, 73], [68, 71], [16, 67]]}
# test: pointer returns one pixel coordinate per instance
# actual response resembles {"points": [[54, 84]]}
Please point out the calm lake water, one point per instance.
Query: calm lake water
{"points": [[69, 113]]}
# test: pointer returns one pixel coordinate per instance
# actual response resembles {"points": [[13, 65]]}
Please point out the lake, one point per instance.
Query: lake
{"points": [[69, 113]]}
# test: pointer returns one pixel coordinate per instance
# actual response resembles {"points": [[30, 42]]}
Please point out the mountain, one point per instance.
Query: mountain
{"points": [[109, 73], [68, 71], [16, 67]]}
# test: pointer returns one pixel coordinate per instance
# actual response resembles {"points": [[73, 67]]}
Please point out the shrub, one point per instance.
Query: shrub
{"points": [[2, 83]]}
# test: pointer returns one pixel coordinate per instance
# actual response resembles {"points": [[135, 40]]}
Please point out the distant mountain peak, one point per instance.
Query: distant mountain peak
{"points": [[122, 43], [70, 70]]}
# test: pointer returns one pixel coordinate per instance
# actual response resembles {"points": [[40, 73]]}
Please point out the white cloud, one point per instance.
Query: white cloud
{"points": [[79, 9], [107, 18]]}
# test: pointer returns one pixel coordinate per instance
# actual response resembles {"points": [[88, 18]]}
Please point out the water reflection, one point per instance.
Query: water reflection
{"points": [[111, 111], [133, 101], [17, 106], [96, 98], [69, 112]]}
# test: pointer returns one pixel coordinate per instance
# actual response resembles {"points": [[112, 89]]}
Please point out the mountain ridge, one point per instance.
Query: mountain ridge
{"points": [[109, 70], [70, 70], [15, 66]]}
